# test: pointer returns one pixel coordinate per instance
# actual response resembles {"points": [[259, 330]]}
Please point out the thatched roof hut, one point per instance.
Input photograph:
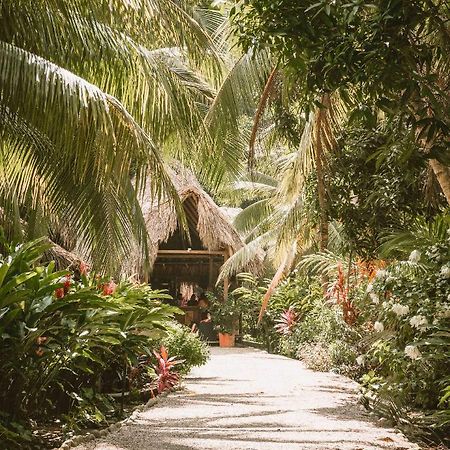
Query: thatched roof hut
{"points": [[176, 258]]}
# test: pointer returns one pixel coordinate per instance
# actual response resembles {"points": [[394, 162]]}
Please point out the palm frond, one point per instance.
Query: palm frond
{"points": [[284, 267], [80, 29], [48, 114], [251, 219], [321, 263], [252, 251], [337, 238], [270, 83], [257, 189], [236, 97], [422, 233], [145, 63], [319, 132]]}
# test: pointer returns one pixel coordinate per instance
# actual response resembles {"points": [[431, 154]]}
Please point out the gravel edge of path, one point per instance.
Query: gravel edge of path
{"points": [[91, 436]]}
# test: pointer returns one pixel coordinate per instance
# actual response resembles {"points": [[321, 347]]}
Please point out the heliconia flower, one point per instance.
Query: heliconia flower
{"points": [[400, 310], [59, 293], [109, 288], [414, 256], [418, 322], [66, 284], [412, 352], [378, 326]]}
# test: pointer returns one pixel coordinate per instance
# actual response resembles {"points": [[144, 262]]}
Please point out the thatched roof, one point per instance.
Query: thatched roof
{"points": [[213, 227]]}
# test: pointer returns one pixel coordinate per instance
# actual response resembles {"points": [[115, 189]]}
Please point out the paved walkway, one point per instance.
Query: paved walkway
{"points": [[248, 399]]}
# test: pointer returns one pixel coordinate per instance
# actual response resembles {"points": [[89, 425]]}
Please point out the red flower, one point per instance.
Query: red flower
{"points": [[67, 284], [40, 351], [41, 340], [109, 288], [59, 292]]}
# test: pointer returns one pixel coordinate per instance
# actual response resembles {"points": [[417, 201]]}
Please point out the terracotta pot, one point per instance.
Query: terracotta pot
{"points": [[226, 340]]}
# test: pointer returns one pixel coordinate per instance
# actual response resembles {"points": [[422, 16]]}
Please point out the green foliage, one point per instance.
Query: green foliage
{"points": [[249, 296], [90, 96], [225, 314], [320, 337], [63, 342], [186, 346], [323, 340], [410, 357], [377, 182], [367, 51], [293, 292]]}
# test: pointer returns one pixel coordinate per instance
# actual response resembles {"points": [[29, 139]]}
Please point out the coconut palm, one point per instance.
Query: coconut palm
{"points": [[90, 94]]}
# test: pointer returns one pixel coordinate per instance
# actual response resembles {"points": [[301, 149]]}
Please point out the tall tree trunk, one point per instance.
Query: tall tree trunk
{"points": [[268, 88], [441, 171], [321, 189], [323, 204], [443, 176]]}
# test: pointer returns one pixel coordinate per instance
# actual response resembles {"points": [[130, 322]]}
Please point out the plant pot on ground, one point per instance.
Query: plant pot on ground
{"points": [[226, 339], [225, 315]]}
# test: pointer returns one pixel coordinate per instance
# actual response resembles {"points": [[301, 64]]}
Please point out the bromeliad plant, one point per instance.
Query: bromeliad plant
{"points": [[286, 323], [60, 337], [167, 377]]}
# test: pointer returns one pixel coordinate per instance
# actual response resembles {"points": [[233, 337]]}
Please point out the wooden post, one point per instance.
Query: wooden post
{"points": [[210, 275], [226, 281]]}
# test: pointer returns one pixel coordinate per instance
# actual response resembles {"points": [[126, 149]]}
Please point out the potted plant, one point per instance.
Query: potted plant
{"points": [[225, 316]]}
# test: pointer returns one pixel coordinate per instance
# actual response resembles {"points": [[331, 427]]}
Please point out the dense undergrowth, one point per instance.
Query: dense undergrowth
{"points": [[385, 324], [77, 348]]}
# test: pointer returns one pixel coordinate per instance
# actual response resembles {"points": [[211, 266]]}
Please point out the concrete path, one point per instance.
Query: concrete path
{"points": [[248, 399]]}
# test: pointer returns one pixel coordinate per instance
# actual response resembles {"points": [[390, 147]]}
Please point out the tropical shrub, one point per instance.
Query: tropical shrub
{"points": [[409, 360], [300, 323], [292, 294], [186, 346], [323, 340], [66, 342]]}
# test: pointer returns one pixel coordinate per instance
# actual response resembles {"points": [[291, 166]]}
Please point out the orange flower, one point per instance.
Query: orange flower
{"points": [[83, 268], [109, 288]]}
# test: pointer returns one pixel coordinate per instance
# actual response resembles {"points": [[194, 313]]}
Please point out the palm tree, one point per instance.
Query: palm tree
{"points": [[90, 94]]}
